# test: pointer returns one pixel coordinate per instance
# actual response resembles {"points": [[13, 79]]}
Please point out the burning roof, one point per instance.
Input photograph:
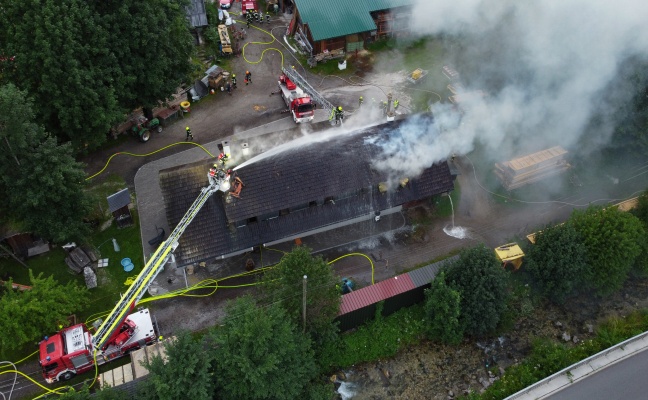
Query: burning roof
{"points": [[293, 192]]}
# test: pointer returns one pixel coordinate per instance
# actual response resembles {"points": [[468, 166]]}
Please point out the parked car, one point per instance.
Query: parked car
{"points": [[225, 4]]}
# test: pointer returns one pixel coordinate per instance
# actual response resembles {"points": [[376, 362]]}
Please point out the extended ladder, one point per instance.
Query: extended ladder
{"points": [[152, 268], [306, 87]]}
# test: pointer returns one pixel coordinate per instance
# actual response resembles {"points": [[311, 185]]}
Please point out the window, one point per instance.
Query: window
{"points": [[252, 219], [299, 207], [283, 212], [312, 204], [50, 348]]}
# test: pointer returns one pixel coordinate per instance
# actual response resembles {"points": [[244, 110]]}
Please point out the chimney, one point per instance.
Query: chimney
{"points": [[226, 149]]}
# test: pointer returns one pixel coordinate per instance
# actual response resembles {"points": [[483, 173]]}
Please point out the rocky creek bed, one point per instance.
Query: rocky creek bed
{"points": [[432, 371]]}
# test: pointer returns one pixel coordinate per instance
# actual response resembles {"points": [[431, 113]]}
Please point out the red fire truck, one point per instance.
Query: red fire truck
{"points": [[299, 103], [71, 351], [74, 350]]}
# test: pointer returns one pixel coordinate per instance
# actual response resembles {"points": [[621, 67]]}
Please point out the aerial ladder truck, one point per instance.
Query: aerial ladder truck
{"points": [[299, 96], [75, 350]]}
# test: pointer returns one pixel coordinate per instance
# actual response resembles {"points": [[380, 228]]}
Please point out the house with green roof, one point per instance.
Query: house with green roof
{"points": [[327, 25]]}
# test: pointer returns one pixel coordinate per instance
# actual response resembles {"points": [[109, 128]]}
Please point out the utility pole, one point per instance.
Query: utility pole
{"points": [[304, 304]]}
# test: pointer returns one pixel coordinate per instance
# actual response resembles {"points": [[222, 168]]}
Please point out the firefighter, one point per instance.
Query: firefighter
{"points": [[228, 87], [337, 114], [223, 158], [248, 77], [260, 17], [233, 81], [395, 105], [248, 18], [189, 134], [267, 18], [360, 101], [276, 8], [256, 15]]}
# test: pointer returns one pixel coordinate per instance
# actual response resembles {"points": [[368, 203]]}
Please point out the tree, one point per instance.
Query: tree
{"points": [[107, 393], [28, 315], [260, 354], [443, 309], [87, 64], [641, 212], [186, 373], [40, 182], [482, 283], [284, 282], [154, 54], [613, 240], [557, 261]]}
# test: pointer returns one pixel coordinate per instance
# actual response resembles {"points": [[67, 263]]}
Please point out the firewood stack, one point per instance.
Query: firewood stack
{"points": [[532, 168]]}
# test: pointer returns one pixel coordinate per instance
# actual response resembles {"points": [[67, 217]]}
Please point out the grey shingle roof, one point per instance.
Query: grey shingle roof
{"points": [[197, 14], [118, 200], [334, 18], [339, 168]]}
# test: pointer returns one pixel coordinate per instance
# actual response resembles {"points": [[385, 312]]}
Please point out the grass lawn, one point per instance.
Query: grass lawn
{"points": [[111, 279]]}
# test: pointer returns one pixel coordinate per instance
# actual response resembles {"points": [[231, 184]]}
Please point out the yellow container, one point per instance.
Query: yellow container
{"points": [[417, 74], [185, 105]]}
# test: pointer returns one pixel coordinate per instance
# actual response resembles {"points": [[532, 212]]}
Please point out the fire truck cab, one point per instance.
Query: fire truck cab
{"points": [[299, 103], [70, 352]]}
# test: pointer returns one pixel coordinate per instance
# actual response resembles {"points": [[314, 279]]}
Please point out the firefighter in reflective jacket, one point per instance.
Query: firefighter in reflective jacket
{"points": [[223, 158], [337, 114]]}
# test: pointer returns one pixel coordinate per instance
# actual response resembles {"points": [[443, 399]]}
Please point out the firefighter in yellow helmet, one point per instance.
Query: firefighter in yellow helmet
{"points": [[337, 114], [189, 134]]}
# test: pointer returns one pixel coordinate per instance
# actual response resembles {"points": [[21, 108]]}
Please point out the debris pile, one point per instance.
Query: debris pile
{"points": [[532, 168]]}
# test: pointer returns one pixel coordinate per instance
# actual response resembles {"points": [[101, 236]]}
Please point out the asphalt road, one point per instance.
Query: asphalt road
{"points": [[625, 380]]}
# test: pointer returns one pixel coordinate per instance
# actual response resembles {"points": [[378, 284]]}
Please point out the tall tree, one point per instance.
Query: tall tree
{"points": [[64, 61], [153, 50], [482, 284], [283, 284], [89, 63], [40, 182], [185, 374], [613, 240], [557, 261], [26, 316], [260, 354], [443, 309]]}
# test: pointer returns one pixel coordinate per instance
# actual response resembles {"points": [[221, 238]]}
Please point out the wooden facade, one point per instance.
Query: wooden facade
{"points": [[389, 23]]}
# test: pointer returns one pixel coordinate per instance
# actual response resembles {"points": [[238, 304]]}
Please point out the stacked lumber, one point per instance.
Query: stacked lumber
{"points": [[532, 168], [464, 97], [329, 55], [225, 39]]}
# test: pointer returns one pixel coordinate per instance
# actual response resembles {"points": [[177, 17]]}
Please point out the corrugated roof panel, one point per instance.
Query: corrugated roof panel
{"points": [[118, 200], [424, 275], [334, 18], [376, 5], [373, 294]]}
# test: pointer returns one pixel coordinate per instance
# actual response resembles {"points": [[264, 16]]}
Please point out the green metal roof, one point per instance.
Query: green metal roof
{"points": [[333, 18]]}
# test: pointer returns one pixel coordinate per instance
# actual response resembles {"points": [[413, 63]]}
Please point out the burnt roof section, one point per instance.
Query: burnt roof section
{"points": [[312, 172], [307, 174]]}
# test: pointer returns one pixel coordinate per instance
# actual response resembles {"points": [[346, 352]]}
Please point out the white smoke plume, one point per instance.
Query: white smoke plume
{"points": [[546, 68]]}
